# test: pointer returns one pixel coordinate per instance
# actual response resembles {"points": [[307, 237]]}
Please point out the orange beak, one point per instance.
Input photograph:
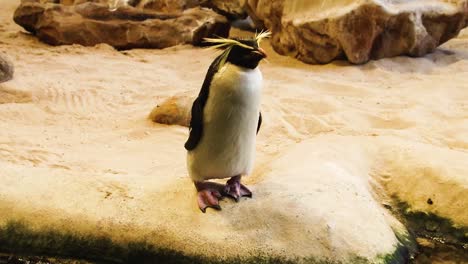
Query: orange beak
{"points": [[261, 52]]}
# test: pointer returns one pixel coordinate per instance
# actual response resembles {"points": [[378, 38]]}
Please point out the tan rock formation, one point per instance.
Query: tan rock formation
{"points": [[229, 8], [91, 23], [320, 31], [174, 111], [168, 5]]}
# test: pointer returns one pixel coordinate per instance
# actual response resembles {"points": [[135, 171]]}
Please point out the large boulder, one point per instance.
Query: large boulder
{"points": [[312, 204], [418, 176], [230, 8], [90, 23], [6, 69], [321, 31], [166, 5]]}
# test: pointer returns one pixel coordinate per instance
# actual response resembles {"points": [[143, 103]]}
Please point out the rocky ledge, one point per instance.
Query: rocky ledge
{"points": [[91, 23], [318, 32]]}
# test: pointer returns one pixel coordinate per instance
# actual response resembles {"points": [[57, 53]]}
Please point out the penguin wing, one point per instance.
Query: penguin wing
{"points": [[196, 125], [196, 122], [259, 121]]}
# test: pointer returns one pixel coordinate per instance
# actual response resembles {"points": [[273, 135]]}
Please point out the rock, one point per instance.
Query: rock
{"points": [[412, 172], [168, 6], [336, 194], [232, 9], [6, 69], [424, 242], [251, 7], [174, 111], [321, 31], [312, 204], [431, 226], [91, 23], [245, 24]]}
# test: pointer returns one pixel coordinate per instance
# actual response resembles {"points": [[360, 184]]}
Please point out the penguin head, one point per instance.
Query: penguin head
{"points": [[248, 57], [241, 52]]}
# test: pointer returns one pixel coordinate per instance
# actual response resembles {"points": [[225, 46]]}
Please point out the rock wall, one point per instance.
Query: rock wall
{"points": [[318, 32], [127, 27], [230, 8]]}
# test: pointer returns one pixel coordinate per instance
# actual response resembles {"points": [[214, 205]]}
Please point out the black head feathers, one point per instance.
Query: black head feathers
{"points": [[242, 52]]}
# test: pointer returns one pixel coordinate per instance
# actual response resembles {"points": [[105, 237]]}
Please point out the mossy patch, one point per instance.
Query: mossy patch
{"points": [[18, 238], [404, 251], [400, 255], [429, 225], [448, 241]]}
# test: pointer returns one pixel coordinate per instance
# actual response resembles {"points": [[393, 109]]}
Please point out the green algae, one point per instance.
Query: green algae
{"points": [[449, 242], [404, 251], [400, 255], [432, 226], [17, 238]]}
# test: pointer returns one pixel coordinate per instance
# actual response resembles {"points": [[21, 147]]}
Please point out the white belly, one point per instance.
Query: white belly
{"points": [[230, 119]]}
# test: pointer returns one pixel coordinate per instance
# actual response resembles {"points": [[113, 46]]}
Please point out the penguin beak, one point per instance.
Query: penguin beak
{"points": [[261, 52]]}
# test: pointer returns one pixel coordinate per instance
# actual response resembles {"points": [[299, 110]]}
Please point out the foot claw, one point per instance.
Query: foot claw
{"points": [[208, 198], [245, 192], [216, 207], [235, 190]]}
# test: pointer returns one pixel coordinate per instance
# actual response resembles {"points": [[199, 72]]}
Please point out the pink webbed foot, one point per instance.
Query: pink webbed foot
{"points": [[208, 195], [235, 189]]}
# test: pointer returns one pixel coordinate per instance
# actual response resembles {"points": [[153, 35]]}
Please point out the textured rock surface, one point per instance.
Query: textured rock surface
{"points": [[321, 31], [174, 111], [286, 218], [166, 5], [229, 8], [6, 69], [417, 174], [92, 23]]}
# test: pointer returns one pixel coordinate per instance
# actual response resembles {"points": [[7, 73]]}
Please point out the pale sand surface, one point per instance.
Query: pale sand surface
{"points": [[78, 152]]}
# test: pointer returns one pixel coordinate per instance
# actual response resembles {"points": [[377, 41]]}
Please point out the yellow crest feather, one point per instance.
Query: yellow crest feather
{"points": [[262, 35], [227, 44]]}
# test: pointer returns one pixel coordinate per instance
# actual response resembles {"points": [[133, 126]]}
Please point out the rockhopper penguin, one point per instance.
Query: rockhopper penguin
{"points": [[225, 120]]}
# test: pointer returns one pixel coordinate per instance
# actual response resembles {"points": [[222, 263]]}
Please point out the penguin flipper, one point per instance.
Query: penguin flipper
{"points": [[196, 125], [259, 121]]}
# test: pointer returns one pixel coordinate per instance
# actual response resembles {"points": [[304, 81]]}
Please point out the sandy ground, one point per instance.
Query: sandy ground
{"points": [[78, 152]]}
